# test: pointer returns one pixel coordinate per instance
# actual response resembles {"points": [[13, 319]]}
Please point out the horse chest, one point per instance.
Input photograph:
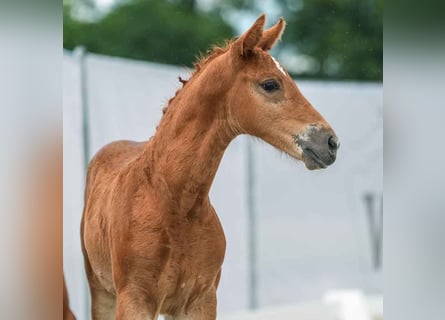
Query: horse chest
{"points": [[198, 245]]}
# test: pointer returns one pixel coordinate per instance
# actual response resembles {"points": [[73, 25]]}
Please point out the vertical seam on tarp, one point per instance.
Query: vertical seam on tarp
{"points": [[85, 110]]}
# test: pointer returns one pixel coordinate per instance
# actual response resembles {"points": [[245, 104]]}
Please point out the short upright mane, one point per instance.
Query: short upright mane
{"points": [[216, 51], [200, 63]]}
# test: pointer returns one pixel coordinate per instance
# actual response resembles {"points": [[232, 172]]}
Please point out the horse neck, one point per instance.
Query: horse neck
{"points": [[190, 142]]}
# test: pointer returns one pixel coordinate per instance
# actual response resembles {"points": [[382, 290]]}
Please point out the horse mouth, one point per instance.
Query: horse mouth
{"points": [[312, 160]]}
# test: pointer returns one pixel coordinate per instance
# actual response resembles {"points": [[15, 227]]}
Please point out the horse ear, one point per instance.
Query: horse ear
{"points": [[272, 35], [245, 44]]}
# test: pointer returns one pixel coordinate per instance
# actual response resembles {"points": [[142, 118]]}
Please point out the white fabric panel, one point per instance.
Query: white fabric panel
{"points": [[125, 98], [73, 184], [313, 229]]}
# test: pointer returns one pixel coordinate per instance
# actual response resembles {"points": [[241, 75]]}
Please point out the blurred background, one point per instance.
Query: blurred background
{"points": [[325, 39], [300, 245]]}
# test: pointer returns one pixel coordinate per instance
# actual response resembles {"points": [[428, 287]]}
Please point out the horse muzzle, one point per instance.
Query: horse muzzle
{"points": [[318, 145]]}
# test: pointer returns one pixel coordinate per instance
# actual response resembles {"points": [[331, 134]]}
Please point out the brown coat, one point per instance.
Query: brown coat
{"points": [[152, 241]]}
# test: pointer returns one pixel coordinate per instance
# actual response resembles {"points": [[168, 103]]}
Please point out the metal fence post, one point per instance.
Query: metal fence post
{"points": [[80, 54]]}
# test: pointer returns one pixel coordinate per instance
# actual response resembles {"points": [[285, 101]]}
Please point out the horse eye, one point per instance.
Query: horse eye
{"points": [[270, 85]]}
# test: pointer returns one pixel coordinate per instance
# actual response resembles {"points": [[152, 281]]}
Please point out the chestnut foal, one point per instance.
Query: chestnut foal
{"points": [[152, 241]]}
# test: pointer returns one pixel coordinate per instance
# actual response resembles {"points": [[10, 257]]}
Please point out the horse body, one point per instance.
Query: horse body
{"points": [[152, 242], [142, 235]]}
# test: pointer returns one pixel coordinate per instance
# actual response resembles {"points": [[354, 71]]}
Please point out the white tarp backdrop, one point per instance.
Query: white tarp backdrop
{"points": [[315, 228]]}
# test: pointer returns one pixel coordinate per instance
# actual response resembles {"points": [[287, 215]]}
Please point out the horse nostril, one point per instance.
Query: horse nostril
{"points": [[333, 143]]}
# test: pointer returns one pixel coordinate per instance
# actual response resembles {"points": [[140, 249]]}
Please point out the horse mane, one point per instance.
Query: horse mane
{"points": [[201, 62], [216, 51]]}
